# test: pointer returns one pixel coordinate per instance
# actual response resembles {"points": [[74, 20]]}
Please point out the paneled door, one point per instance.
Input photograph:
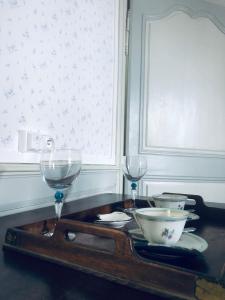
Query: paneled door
{"points": [[176, 95]]}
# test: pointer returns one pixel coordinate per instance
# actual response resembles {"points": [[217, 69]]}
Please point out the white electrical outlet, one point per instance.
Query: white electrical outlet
{"points": [[29, 141], [33, 141]]}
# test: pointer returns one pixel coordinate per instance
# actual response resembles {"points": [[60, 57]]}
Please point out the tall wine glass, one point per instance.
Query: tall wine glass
{"points": [[59, 168], [134, 168]]}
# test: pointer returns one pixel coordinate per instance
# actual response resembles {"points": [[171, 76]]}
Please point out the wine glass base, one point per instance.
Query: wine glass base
{"points": [[69, 236], [48, 234]]}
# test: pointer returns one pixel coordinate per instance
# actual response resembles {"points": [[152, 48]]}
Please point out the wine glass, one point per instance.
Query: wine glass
{"points": [[134, 168], [59, 168]]}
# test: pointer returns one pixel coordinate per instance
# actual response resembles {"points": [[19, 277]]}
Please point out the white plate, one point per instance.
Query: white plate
{"points": [[187, 241], [115, 219], [192, 217], [114, 224]]}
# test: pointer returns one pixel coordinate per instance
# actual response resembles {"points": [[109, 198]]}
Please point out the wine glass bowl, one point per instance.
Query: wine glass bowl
{"points": [[59, 168], [134, 168]]}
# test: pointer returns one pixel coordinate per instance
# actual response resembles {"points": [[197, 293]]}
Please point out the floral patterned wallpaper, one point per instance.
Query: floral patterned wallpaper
{"points": [[57, 60]]}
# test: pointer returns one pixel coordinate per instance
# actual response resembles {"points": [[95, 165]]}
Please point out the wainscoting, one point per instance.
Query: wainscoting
{"points": [[21, 192], [213, 192]]}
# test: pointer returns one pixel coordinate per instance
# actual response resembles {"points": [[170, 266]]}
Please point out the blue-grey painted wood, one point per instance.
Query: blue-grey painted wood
{"points": [[175, 166], [26, 191]]}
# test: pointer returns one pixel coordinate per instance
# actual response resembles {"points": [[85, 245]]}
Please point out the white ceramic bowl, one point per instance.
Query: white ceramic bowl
{"points": [[174, 201], [161, 225]]}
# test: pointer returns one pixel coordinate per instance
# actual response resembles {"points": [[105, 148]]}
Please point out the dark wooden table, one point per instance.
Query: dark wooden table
{"points": [[24, 277]]}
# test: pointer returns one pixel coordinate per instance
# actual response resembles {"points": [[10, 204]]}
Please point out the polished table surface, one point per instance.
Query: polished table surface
{"points": [[24, 277]]}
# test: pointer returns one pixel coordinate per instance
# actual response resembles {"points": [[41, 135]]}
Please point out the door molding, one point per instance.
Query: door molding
{"points": [[144, 147]]}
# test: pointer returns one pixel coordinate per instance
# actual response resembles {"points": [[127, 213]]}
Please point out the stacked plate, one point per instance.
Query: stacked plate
{"points": [[115, 219], [192, 217]]}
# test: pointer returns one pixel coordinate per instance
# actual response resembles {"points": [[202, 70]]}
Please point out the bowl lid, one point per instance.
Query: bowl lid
{"points": [[170, 197]]}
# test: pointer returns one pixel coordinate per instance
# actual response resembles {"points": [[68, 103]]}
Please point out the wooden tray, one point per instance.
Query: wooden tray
{"points": [[111, 253]]}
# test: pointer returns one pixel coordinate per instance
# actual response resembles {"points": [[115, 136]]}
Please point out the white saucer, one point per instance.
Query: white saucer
{"points": [[187, 241], [192, 217], [192, 241]]}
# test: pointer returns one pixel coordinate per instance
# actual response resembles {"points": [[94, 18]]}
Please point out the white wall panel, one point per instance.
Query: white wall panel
{"points": [[209, 191], [184, 91]]}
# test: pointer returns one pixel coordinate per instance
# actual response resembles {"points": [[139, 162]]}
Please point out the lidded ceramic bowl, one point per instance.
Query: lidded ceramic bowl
{"points": [[175, 201], [161, 225]]}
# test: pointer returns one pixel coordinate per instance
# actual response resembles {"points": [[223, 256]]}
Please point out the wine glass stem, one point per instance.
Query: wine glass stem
{"points": [[134, 192], [59, 197]]}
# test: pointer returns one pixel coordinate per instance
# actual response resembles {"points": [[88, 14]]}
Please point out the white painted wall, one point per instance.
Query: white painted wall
{"points": [[212, 192], [219, 2], [59, 75], [176, 96]]}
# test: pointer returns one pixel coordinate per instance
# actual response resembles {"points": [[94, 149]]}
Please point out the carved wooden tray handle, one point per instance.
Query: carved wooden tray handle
{"points": [[123, 245]]}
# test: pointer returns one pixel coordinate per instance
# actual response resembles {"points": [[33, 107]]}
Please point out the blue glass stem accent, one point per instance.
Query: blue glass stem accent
{"points": [[134, 191], [59, 196]]}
